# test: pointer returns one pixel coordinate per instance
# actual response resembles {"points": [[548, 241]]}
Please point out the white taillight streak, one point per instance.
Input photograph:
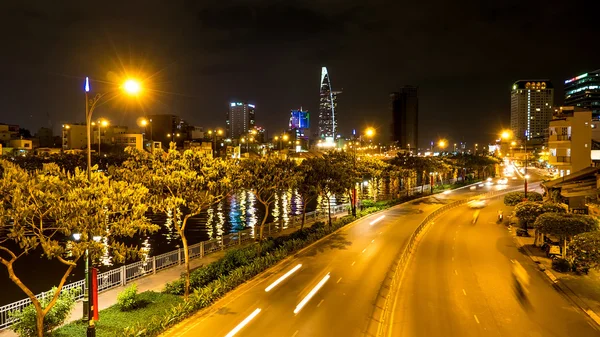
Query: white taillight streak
{"points": [[311, 294], [243, 323], [286, 275], [377, 220]]}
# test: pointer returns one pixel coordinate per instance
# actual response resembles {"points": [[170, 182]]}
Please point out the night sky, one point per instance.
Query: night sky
{"points": [[196, 56]]}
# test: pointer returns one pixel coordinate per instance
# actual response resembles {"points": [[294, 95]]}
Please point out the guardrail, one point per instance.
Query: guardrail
{"points": [[406, 253], [151, 264]]}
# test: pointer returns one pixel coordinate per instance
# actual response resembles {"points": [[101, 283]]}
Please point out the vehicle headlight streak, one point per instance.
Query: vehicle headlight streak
{"points": [[377, 220], [311, 293], [286, 275], [243, 323]]}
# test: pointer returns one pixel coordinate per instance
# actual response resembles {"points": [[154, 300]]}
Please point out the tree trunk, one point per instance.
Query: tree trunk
{"points": [[186, 259], [262, 224], [564, 248], [39, 321], [303, 214], [329, 211]]}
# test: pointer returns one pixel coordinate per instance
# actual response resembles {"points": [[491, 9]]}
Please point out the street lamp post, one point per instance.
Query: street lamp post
{"points": [[132, 87]]}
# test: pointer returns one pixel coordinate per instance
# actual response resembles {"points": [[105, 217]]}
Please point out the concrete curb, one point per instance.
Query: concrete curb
{"points": [[563, 288]]}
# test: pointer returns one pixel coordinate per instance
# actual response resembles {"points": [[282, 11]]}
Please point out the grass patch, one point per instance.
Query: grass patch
{"points": [[113, 321]]}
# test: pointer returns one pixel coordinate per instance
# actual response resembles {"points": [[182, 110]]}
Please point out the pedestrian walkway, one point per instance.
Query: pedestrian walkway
{"points": [[156, 282], [583, 290]]}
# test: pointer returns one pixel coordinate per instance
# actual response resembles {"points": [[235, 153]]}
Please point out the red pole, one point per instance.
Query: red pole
{"points": [[95, 293]]}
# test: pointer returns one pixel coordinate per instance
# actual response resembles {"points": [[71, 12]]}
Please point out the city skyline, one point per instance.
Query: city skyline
{"points": [[358, 43]]}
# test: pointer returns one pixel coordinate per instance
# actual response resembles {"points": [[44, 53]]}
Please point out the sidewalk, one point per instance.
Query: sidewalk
{"points": [[582, 290], [156, 282]]}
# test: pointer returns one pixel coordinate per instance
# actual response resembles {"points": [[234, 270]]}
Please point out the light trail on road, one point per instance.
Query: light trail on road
{"points": [[243, 323], [311, 293], [377, 220], [282, 278]]}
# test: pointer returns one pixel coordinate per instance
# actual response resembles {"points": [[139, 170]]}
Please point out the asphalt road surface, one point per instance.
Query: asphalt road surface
{"points": [[344, 273], [459, 283]]}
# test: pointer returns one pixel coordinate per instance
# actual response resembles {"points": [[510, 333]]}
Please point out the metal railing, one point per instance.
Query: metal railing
{"points": [[406, 253], [151, 264]]}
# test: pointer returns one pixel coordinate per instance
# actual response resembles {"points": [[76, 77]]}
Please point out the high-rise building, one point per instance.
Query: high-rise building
{"points": [[327, 109], [299, 122], [404, 106], [531, 107], [166, 128], [240, 119], [583, 91]]}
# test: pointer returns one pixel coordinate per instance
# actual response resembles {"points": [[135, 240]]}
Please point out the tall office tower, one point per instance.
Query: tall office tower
{"points": [[404, 106], [240, 119], [327, 109], [584, 91], [166, 128], [299, 123], [531, 107]]}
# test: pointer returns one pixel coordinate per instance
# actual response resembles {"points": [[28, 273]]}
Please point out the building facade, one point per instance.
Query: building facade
{"points": [[327, 109], [165, 129], [74, 136], [299, 123], [240, 119], [583, 91], [135, 140], [531, 108], [404, 106], [570, 140]]}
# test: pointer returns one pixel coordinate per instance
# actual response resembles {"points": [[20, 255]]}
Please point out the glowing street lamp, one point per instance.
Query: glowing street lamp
{"points": [[132, 87], [370, 132], [506, 134]]}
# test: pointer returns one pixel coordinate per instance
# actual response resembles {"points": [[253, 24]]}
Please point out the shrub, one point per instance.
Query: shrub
{"points": [[561, 265], [26, 324], [585, 249], [513, 198], [128, 299]]}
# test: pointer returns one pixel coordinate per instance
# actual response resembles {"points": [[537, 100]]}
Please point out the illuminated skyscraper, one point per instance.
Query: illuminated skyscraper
{"points": [[584, 91], [531, 107], [299, 123], [240, 119], [327, 109]]}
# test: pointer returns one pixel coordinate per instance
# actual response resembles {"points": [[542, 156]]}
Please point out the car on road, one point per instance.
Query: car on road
{"points": [[502, 181], [479, 203]]}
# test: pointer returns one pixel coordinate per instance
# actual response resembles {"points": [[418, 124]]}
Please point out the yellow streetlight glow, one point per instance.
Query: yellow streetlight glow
{"points": [[144, 122], [132, 87], [513, 143], [442, 143], [370, 132], [276, 138], [219, 132], [285, 137], [506, 134], [103, 122]]}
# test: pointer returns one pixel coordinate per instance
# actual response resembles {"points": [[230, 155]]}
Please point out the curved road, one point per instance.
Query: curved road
{"points": [[352, 265], [459, 283]]}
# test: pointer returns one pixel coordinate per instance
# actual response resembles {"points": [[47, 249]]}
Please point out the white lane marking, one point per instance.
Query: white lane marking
{"points": [[464, 292], [286, 275], [338, 281], [364, 250], [372, 240], [476, 319], [243, 323], [380, 232], [295, 333], [353, 263], [376, 220], [453, 258], [318, 305], [455, 272], [311, 293]]}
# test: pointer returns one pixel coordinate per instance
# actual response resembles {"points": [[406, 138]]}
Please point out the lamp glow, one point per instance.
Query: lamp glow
{"points": [[87, 84], [132, 87]]}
